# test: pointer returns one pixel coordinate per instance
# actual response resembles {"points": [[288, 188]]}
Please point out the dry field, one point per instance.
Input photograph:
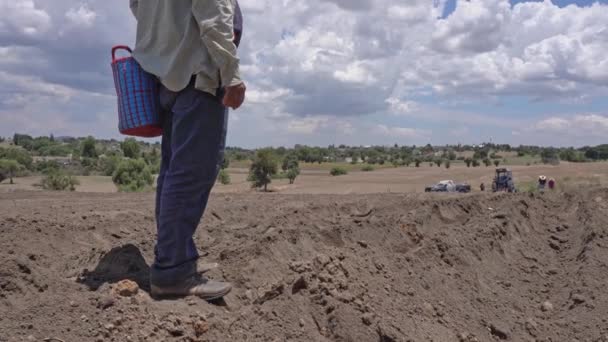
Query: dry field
{"points": [[327, 268], [399, 180]]}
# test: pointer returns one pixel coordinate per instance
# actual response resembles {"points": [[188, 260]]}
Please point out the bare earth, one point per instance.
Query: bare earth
{"points": [[366, 267]]}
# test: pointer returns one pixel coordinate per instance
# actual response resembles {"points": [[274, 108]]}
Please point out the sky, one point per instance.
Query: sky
{"points": [[321, 72]]}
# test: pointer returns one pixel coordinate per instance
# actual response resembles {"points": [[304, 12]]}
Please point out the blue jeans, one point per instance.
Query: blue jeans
{"points": [[193, 142]]}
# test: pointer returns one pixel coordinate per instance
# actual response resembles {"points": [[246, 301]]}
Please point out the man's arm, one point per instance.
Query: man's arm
{"points": [[215, 20], [133, 4]]}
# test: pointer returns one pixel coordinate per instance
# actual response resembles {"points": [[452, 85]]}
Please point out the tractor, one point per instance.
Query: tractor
{"points": [[503, 181]]}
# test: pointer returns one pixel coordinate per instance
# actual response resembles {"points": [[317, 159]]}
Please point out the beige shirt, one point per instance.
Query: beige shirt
{"points": [[177, 39]]}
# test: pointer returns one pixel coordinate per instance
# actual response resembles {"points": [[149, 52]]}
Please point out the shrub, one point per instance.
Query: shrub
{"points": [[338, 171], [292, 174], [59, 181], [417, 162], [263, 167], [448, 164], [9, 169], [475, 163], [132, 175], [20, 155], [468, 161], [88, 149], [47, 166], [130, 148], [223, 177], [496, 162], [367, 168], [108, 165]]}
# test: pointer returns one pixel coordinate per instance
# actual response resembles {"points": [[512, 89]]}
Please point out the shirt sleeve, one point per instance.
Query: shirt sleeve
{"points": [[134, 4], [215, 20]]}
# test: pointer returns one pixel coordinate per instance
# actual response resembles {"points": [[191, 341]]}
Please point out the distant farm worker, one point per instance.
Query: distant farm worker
{"points": [[551, 184], [191, 46], [482, 187], [542, 182]]}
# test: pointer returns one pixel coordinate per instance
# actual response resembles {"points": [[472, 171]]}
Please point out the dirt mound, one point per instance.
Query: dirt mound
{"points": [[313, 268]]}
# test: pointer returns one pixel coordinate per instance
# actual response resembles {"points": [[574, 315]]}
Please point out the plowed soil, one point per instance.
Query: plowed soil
{"points": [[386, 267]]}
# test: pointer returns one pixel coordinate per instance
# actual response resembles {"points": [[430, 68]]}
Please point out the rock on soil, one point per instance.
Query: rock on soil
{"points": [[126, 288]]}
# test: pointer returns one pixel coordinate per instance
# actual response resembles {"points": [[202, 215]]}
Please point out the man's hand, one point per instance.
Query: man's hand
{"points": [[235, 96]]}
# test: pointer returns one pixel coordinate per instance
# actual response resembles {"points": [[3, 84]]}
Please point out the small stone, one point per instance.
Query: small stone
{"points": [[270, 293], [84, 318], [299, 285], [500, 331], [126, 288], [547, 306], [109, 326], [302, 323], [322, 260], [428, 308], [73, 304], [362, 244], [249, 295], [200, 328], [105, 302], [578, 298], [367, 319], [532, 328], [31, 338]]}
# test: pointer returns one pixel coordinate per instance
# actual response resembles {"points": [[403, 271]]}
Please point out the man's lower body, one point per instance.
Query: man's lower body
{"points": [[194, 136]]}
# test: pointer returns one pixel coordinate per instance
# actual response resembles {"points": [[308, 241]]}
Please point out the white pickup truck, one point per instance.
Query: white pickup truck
{"points": [[448, 186]]}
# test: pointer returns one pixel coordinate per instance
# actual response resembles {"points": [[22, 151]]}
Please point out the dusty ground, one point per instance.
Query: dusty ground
{"points": [[403, 179], [384, 267]]}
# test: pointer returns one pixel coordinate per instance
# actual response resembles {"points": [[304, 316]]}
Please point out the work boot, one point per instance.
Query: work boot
{"points": [[196, 285]]}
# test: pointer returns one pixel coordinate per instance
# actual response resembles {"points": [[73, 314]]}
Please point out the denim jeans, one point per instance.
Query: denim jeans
{"points": [[193, 142]]}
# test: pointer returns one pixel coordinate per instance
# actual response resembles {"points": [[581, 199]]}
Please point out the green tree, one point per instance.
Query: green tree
{"points": [[263, 167], [88, 148], [130, 148], [417, 162], [475, 163], [452, 155], [438, 162], [223, 177], [291, 166], [487, 162], [293, 173], [290, 161], [59, 181], [468, 161], [496, 162], [10, 167], [448, 164], [132, 175], [108, 164], [22, 156]]}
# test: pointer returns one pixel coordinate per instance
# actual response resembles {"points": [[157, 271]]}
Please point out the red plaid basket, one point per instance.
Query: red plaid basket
{"points": [[138, 99]]}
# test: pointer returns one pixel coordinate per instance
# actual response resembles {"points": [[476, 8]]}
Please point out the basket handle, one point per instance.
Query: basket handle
{"points": [[119, 47]]}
